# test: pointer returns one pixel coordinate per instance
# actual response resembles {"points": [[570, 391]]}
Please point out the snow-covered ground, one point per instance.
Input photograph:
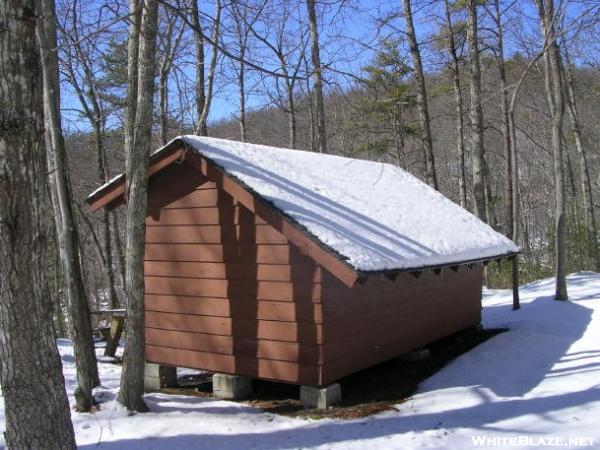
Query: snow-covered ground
{"points": [[536, 385]]}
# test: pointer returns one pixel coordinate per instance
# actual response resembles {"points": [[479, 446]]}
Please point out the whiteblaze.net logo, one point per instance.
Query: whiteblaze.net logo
{"points": [[529, 441]]}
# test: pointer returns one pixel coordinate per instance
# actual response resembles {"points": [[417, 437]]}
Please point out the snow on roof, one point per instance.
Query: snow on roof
{"points": [[108, 183], [375, 215]]}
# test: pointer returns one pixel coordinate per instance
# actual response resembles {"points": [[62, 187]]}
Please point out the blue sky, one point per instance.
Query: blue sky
{"points": [[348, 36]]}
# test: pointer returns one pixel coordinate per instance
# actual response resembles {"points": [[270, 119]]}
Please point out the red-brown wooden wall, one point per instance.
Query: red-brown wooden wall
{"points": [[224, 291], [228, 293]]}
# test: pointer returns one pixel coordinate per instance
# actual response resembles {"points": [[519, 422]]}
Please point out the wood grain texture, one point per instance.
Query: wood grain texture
{"points": [[236, 308], [301, 274], [248, 289], [232, 293], [267, 369], [229, 345], [382, 319], [309, 333], [224, 290], [213, 234]]}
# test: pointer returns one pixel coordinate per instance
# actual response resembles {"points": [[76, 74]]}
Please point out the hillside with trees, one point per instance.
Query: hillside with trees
{"points": [[494, 103]]}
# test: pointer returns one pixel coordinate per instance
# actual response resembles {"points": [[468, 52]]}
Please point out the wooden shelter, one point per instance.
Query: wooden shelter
{"points": [[258, 265]]}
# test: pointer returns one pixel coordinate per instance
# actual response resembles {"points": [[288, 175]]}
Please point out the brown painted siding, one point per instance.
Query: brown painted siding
{"points": [[243, 289], [304, 274], [228, 345], [213, 234], [268, 369], [225, 291], [382, 319], [225, 307]]}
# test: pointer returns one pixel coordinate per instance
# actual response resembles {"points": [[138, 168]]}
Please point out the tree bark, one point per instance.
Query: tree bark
{"points": [[204, 86], [514, 156], [458, 106], [118, 247], [113, 300], [93, 110], [291, 113], [508, 175], [427, 141], [36, 406], [586, 181], [476, 113], [554, 93], [170, 39], [66, 226], [133, 46], [201, 127], [317, 77], [132, 377], [163, 92]]}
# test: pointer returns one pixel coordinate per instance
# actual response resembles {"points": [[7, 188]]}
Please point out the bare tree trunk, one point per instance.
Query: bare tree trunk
{"points": [[201, 127], [163, 93], [476, 113], [513, 146], [118, 247], [113, 301], [66, 227], [554, 93], [132, 377], [571, 189], [458, 102], [204, 86], [133, 45], [427, 141], [317, 77], [291, 113], [36, 406], [490, 214], [508, 186], [90, 102], [170, 39], [242, 96], [514, 161], [586, 182]]}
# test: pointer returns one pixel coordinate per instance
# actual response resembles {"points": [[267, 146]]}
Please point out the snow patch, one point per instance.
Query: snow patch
{"points": [[537, 381]]}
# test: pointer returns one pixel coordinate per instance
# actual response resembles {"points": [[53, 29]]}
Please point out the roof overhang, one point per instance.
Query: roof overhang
{"points": [[112, 195]]}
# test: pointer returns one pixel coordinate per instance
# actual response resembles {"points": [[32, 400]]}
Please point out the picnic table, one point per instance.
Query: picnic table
{"points": [[116, 318]]}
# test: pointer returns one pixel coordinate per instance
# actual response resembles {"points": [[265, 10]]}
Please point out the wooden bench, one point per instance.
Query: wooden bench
{"points": [[116, 318]]}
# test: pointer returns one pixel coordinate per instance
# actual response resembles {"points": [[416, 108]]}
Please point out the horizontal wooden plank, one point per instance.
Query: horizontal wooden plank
{"points": [[298, 273], [352, 354], [195, 198], [419, 322], [244, 308], [274, 217], [382, 296], [228, 345], [213, 234], [203, 216], [256, 368], [207, 185], [309, 333], [262, 290], [116, 190], [261, 253]]}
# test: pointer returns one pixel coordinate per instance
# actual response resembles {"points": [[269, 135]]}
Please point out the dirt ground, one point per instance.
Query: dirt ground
{"points": [[368, 392]]}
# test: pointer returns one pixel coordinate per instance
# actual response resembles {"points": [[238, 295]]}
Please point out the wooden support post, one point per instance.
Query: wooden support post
{"points": [[515, 282], [116, 328]]}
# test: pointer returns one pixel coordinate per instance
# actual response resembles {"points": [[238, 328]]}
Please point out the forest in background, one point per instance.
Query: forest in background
{"points": [[491, 102], [259, 81]]}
